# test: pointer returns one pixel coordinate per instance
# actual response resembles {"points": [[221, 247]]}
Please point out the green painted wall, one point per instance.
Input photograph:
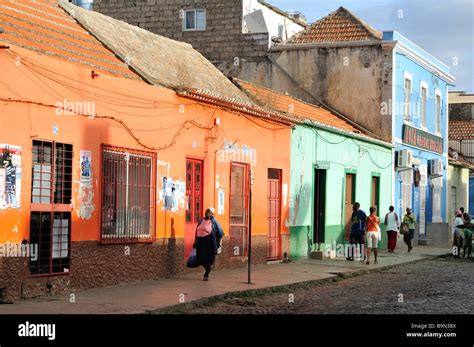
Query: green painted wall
{"points": [[338, 154]]}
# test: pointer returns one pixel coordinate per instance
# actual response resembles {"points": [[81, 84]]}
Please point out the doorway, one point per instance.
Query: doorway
{"points": [[194, 195], [319, 206], [239, 208], [348, 202], [274, 214]]}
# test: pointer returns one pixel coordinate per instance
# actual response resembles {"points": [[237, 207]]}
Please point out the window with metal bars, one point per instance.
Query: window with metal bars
{"points": [[49, 157], [52, 233], [50, 219], [128, 206]]}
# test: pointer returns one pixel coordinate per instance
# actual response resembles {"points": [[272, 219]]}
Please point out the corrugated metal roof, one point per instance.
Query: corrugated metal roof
{"points": [[338, 26], [44, 27]]}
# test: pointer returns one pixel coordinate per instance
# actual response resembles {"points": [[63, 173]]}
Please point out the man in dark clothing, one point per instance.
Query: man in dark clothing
{"points": [[357, 235]]}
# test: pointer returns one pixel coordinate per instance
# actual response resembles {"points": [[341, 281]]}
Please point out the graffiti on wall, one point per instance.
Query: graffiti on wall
{"points": [[10, 176], [86, 190]]}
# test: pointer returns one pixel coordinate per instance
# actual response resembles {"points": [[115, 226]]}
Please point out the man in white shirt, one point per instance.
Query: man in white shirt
{"points": [[458, 234], [392, 223]]}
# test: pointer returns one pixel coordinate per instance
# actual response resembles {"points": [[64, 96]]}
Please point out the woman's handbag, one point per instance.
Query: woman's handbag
{"points": [[404, 230], [192, 260]]}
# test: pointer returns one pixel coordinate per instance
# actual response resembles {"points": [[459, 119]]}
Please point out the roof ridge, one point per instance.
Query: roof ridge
{"points": [[371, 32]]}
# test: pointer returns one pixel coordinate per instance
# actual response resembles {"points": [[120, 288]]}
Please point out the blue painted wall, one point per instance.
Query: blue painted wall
{"points": [[404, 64]]}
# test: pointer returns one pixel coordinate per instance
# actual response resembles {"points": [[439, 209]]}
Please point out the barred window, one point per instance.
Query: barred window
{"points": [[128, 206], [50, 219]]}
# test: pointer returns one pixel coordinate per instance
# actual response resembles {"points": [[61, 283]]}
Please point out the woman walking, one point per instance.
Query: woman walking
{"points": [[209, 234], [373, 223], [410, 220], [392, 223]]}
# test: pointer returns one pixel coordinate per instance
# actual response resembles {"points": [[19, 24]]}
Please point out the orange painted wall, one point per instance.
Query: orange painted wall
{"points": [[153, 113]]}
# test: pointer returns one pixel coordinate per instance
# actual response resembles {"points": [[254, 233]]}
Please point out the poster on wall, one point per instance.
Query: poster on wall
{"points": [[86, 166], [173, 193], [10, 176], [86, 189], [220, 202]]}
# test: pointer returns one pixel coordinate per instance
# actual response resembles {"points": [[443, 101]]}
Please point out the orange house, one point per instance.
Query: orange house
{"points": [[107, 163]]}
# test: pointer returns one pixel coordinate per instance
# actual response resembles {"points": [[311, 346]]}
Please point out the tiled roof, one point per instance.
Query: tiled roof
{"points": [[159, 60], [461, 130], [340, 25], [291, 106], [44, 27]]}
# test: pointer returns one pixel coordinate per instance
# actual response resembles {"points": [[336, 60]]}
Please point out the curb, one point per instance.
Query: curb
{"points": [[247, 293]]}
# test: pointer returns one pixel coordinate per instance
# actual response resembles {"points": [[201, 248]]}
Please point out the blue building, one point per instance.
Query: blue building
{"points": [[420, 135], [388, 86]]}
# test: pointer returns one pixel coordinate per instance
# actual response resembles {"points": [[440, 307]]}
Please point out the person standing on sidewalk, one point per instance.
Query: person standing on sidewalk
{"points": [[373, 227], [468, 229], [209, 234], [409, 219], [357, 235], [392, 223], [457, 239]]}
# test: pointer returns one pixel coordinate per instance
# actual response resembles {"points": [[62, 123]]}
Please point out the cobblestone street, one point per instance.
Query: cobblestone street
{"points": [[427, 287]]}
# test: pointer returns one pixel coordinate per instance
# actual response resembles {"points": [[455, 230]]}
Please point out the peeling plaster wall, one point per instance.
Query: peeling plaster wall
{"points": [[353, 80]]}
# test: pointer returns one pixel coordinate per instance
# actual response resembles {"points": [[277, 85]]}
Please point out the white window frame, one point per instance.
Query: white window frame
{"points": [[406, 190], [195, 10], [438, 114], [437, 191], [407, 105], [423, 106]]}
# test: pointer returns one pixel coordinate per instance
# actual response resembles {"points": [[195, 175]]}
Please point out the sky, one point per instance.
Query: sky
{"points": [[444, 28]]}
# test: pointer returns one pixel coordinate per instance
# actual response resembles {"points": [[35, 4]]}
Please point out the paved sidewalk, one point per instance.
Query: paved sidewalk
{"points": [[149, 296]]}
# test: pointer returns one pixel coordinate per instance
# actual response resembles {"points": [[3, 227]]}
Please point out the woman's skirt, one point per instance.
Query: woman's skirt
{"points": [[205, 250]]}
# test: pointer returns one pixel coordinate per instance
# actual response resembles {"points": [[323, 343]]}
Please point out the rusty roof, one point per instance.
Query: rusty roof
{"points": [[44, 27], [291, 106], [461, 129], [338, 26]]}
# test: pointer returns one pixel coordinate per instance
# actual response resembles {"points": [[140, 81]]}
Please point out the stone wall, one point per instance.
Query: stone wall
{"points": [[353, 80], [461, 111], [222, 40]]}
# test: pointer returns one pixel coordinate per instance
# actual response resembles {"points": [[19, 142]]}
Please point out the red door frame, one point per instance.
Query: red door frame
{"points": [[272, 253], [190, 227], [246, 194]]}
